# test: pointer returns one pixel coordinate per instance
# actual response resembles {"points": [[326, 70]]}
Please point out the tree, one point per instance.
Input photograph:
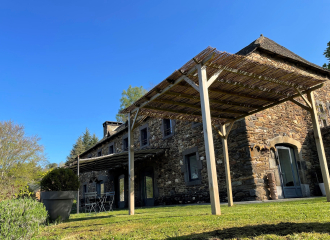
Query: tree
{"points": [[83, 143], [327, 55], [21, 159], [128, 98]]}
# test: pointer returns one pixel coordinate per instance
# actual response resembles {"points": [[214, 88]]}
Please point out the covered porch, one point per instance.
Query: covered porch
{"points": [[217, 89]]}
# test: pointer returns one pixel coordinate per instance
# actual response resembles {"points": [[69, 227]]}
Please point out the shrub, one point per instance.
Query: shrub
{"points": [[60, 179], [21, 218]]}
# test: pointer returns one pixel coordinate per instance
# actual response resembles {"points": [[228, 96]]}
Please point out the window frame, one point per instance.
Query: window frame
{"points": [[173, 122], [113, 147], [99, 153], [141, 128], [185, 167], [123, 142], [322, 115]]}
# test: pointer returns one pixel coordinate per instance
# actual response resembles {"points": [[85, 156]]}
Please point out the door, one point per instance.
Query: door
{"points": [[289, 172], [121, 188], [148, 189]]}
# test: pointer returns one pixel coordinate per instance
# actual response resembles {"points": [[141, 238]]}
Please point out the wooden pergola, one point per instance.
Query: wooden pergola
{"points": [[218, 88]]}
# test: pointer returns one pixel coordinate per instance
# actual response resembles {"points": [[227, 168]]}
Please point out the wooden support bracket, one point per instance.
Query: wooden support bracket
{"points": [[191, 83], [213, 78], [305, 99], [136, 115]]}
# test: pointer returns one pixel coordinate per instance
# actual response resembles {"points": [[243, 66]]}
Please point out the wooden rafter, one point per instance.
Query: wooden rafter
{"points": [[278, 102], [191, 83], [182, 112], [255, 76], [248, 86], [196, 106], [214, 90], [229, 103]]}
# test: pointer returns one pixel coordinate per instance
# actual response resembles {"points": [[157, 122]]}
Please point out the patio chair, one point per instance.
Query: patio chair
{"points": [[90, 201], [102, 200], [110, 197]]}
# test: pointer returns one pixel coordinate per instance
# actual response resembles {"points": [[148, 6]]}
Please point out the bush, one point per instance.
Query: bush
{"points": [[60, 179], [21, 218]]}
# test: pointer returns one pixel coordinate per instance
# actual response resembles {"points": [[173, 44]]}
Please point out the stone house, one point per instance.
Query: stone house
{"points": [[170, 166]]}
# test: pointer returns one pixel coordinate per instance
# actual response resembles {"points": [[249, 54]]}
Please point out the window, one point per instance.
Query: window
{"points": [[99, 153], [111, 148], [144, 135], [321, 113], [192, 166], [84, 190], [168, 128], [122, 188], [100, 188], [125, 142]]}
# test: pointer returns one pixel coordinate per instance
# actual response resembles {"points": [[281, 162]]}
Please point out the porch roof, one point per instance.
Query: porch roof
{"points": [[113, 160], [238, 87]]}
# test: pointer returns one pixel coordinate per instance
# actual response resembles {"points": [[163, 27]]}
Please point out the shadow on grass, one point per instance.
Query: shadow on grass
{"points": [[281, 229]]}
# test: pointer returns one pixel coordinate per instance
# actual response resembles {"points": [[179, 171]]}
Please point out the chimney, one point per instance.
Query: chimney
{"points": [[109, 128]]}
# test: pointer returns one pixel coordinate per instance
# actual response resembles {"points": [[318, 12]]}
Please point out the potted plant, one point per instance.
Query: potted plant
{"points": [[59, 188]]}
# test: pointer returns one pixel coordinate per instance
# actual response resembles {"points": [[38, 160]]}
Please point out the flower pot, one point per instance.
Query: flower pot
{"points": [[322, 188], [58, 203]]}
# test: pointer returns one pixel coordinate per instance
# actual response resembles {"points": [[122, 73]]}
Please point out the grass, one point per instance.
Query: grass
{"points": [[303, 219]]}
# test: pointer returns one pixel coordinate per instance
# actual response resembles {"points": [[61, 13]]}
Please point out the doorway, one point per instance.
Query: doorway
{"points": [[289, 172], [148, 194], [122, 191]]}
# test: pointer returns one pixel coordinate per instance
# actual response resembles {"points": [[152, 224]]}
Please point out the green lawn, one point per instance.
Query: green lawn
{"points": [[304, 219]]}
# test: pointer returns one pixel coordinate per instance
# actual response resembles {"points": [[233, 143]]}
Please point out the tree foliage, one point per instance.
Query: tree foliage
{"points": [[21, 159], [83, 143], [128, 98], [327, 55]]}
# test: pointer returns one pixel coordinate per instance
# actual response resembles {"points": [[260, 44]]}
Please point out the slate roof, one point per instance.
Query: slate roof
{"points": [[269, 46]]}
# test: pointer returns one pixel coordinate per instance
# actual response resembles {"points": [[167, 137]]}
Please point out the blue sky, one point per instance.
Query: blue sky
{"points": [[64, 64]]}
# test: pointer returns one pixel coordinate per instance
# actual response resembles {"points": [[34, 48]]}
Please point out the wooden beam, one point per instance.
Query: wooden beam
{"points": [[131, 201], [276, 103], [229, 103], [300, 104], [213, 78], [319, 145], [215, 90], [165, 89], [195, 106], [247, 86], [229, 129], [136, 115], [208, 139], [191, 83], [78, 198], [303, 97], [181, 112], [256, 76], [227, 166], [219, 132]]}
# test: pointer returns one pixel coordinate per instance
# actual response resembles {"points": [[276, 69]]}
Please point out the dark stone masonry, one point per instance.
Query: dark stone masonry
{"points": [[256, 147]]}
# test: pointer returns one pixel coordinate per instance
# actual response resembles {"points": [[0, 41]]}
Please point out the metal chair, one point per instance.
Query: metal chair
{"points": [[109, 199], [90, 201], [102, 200]]}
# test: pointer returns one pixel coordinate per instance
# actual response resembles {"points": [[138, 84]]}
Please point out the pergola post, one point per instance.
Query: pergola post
{"points": [[227, 166], [78, 188], [208, 139], [130, 167], [319, 144]]}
